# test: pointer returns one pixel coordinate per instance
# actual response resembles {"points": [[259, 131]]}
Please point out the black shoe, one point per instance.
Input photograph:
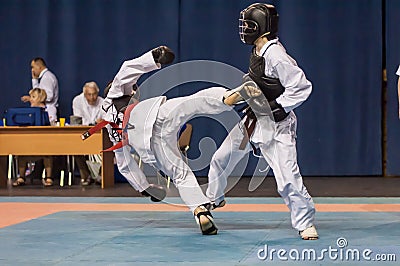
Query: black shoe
{"points": [[155, 192], [205, 220], [220, 205], [163, 55]]}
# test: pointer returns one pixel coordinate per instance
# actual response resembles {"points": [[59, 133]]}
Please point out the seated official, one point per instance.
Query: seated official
{"points": [[88, 106], [38, 99]]}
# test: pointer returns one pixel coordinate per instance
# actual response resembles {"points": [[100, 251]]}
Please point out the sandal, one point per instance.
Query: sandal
{"points": [[19, 182], [48, 182]]}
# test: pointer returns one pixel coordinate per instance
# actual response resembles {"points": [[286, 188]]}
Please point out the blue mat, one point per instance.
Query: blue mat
{"points": [[173, 238]]}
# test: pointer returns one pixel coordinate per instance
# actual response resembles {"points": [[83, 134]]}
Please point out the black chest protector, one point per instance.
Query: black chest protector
{"points": [[271, 87]]}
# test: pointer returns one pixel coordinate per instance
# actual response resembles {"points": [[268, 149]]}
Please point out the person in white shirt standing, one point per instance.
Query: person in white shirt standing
{"points": [[87, 105], [43, 78]]}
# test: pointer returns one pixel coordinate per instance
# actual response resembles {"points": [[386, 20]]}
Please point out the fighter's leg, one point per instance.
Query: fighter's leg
{"points": [[177, 111], [281, 155], [170, 161], [230, 153], [128, 167], [174, 113], [223, 163]]}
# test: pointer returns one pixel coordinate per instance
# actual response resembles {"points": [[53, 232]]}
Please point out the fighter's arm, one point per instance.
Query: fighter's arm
{"points": [[297, 87], [131, 70], [129, 73]]}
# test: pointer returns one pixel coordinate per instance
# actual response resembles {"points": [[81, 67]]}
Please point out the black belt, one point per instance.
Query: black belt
{"points": [[250, 124]]}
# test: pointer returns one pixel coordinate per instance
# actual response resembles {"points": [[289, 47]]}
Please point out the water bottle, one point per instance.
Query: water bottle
{"points": [[28, 169], [32, 167]]}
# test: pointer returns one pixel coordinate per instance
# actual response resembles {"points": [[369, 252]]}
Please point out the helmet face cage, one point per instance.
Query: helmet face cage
{"points": [[241, 26], [246, 27]]}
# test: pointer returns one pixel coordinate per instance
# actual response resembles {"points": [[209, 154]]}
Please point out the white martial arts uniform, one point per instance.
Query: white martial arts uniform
{"points": [[89, 113], [277, 141], [48, 82], [154, 125], [153, 129], [126, 77]]}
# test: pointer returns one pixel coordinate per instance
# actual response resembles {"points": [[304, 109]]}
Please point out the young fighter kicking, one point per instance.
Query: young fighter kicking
{"points": [[117, 96], [151, 127]]}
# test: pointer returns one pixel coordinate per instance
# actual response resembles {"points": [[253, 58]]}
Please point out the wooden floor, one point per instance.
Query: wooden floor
{"points": [[317, 187]]}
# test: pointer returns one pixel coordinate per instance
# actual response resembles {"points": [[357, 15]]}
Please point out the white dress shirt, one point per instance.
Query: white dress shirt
{"points": [[52, 112], [48, 82], [89, 113], [398, 71]]}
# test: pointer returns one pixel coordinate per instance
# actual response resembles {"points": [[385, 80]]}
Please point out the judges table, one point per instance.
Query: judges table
{"points": [[49, 140]]}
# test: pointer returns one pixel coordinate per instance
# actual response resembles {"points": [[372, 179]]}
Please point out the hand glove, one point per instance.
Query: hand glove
{"points": [[163, 55], [277, 111]]}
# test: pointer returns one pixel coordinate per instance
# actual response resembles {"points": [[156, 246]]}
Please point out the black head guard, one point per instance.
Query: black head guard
{"points": [[258, 20]]}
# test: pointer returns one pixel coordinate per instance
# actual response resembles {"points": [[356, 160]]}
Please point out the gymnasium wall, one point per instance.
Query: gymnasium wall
{"points": [[392, 57], [338, 43]]}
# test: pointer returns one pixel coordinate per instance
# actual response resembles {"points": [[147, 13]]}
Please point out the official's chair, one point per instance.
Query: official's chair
{"points": [[184, 140]]}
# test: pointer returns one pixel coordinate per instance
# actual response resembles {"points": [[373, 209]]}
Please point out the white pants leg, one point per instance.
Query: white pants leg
{"points": [[169, 161], [281, 155], [223, 163], [127, 76], [172, 115], [128, 167]]}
